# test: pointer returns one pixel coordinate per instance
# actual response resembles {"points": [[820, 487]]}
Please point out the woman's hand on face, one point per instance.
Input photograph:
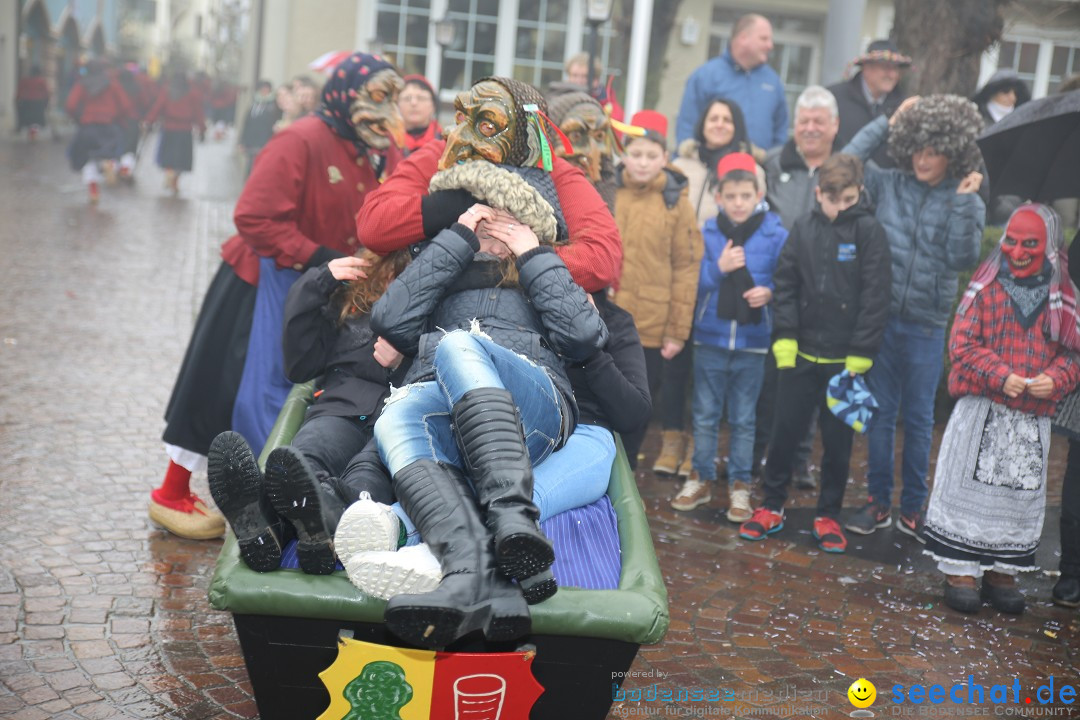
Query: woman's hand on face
{"points": [[347, 269], [386, 354], [475, 215], [517, 237]]}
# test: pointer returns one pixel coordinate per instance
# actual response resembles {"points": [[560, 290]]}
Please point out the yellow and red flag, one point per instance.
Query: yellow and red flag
{"points": [[381, 682]]}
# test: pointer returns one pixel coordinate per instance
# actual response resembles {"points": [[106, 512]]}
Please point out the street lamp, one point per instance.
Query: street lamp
{"points": [[597, 12]]}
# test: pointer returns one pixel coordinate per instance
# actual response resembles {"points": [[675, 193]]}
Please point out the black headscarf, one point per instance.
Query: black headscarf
{"points": [[341, 89]]}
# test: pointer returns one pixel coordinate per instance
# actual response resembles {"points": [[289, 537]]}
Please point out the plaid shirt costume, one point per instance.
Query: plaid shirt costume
{"points": [[987, 343]]}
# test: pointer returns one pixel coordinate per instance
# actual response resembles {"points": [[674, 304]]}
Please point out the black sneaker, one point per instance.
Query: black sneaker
{"points": [[911, 525], [870, 518]]}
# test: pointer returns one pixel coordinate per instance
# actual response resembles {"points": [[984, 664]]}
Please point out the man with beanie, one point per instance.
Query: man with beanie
{"points": [[873, 91]]}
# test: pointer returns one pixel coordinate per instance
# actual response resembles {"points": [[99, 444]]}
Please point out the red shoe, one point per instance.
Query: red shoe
{"points": [[829, 535], [95, 193], [763, 523]]}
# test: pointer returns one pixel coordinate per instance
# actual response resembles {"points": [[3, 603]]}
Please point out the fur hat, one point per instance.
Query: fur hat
{"points": [[526, 193], [947, 123]]}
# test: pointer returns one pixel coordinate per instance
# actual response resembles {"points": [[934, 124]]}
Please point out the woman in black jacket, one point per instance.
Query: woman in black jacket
{"points": [[327, 335]]}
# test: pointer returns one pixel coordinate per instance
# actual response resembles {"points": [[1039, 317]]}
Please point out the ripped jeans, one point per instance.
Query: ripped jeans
{"points": [[415, 423]]}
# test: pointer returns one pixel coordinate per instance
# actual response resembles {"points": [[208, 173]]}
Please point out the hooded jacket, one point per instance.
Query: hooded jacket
{"points": [[762, 251], [547, 319], [661, 250], [934, 233], [833, 284]]}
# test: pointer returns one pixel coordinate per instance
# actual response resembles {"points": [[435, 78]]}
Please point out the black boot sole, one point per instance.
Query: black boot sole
{"points": [[527, 558], [291, 486], [1002, 600], [236, 486], [433, 625]]}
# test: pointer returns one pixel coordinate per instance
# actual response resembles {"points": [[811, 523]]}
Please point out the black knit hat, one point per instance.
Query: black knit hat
{"points": [[523, 94]]}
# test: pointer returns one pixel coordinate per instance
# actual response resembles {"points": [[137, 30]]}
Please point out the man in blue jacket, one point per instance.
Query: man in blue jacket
{"points": [[741, 74]]}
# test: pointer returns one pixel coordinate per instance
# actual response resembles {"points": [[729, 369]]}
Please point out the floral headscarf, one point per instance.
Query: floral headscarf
{"points": [[341, 89]]}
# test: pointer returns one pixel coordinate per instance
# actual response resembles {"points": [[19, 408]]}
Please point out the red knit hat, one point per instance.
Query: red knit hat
{"points": [[653, 123], [735, 161]]}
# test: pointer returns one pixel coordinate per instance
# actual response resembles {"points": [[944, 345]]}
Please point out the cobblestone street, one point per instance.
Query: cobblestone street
{"points": [[104, 615]]}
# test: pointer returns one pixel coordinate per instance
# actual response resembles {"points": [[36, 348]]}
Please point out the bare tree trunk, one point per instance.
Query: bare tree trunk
{"points": [[946, 41], [663, 20]]}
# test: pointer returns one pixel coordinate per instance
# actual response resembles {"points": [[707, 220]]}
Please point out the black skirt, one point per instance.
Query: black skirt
{"points": [[202, 399], [175, 150], [31, 112], [94, 142]]}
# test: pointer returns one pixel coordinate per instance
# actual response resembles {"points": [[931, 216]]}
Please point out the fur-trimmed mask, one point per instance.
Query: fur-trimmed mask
{"points": [[492, 124], [374, 111]]}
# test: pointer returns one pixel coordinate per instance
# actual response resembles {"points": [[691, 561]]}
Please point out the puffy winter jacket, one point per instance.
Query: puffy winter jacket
{"points": [[316, 345], [933, 232], [548, 319], [762, 251], [832, 284]]}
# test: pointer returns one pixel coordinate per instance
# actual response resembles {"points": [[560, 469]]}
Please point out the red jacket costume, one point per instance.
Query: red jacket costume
{"points": [[304, 191], [178, 115], [107, 107], [32, 87], [988, 343], [391, 218]]}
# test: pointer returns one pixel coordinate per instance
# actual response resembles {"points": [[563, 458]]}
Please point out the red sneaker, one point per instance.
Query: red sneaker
{"points": [[763, 523], [829, 535]]}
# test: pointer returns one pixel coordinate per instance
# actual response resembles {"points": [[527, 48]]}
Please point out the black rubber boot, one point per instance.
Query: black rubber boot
{"points": [[237, 487], [472, 595], [488, 432], [312, 507], [962, 598], [1001, 592]]}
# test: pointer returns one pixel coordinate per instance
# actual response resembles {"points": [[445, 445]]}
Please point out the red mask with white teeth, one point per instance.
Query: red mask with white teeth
{"points": [[1024, 244]]}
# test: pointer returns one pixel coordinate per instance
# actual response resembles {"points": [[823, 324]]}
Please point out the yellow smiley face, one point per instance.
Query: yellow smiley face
{"points": [[862, 693]]}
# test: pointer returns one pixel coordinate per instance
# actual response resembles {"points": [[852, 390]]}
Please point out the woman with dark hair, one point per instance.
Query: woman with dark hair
{"points": [[296, 212], [418, 104], [180, 110], [720, 130]]}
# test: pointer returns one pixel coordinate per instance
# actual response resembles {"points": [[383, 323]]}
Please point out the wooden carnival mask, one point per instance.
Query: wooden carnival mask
{"points": [[487, 127], [374, 112], [589, 131]]}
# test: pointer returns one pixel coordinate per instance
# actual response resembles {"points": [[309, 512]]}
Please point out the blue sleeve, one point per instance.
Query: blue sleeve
{"points": [[689, 109], [780, 121], [710, 275], [863, 145]]}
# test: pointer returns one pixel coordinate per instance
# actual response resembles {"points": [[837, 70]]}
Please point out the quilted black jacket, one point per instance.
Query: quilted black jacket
{"points": [[547, 319]]}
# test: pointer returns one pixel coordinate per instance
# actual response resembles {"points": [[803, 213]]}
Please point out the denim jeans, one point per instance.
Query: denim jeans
{"points": [[734, 377], [575, 476], [905, 375], [415, 422]]}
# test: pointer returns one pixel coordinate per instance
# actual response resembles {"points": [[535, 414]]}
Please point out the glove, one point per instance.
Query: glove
{"points": [[441, 209], [857, 364], [785, 351]]}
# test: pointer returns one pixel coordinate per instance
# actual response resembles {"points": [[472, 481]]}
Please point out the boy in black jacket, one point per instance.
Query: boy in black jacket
{"points": [[831, 304]]}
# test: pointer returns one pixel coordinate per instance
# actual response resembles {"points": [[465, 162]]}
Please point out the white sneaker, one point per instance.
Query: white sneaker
{"points": [[366, 526], [384, 574]]}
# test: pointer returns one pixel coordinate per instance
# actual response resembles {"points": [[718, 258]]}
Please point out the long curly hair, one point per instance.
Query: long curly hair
{"points": [[360, 295], [947, 123]]}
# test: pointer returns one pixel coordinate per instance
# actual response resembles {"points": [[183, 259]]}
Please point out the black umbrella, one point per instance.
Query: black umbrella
{"points": [[1034, 151]]}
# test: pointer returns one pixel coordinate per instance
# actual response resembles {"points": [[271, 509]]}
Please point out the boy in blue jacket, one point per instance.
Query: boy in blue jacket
{"points": [[732, 327]]}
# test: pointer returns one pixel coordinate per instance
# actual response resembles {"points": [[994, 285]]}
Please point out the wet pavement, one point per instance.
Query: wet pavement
{"points": [[103, 615]]}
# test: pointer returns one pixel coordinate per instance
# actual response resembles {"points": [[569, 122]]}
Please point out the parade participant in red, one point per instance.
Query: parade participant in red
{"points": [[98, 105], [222, 107], [31, 101], [180, 110], [296, 212], [402, 211], [141, 101], [418, 104]]}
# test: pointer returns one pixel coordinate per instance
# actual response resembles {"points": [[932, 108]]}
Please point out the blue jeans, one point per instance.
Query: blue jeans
{"points": [[733, 376], [575, 476], [905, 375], [415, 422]]}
